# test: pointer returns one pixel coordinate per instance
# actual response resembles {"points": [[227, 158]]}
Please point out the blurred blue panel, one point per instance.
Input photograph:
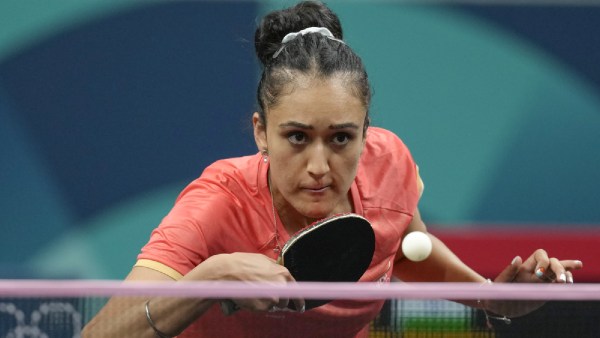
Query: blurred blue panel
{"points": [[549, 173], [570, 33], [31, 204], [138, 99]]}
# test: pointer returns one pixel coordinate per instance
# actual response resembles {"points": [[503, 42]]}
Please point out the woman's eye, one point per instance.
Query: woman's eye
{"points": [[297, 138], [341, 139]]}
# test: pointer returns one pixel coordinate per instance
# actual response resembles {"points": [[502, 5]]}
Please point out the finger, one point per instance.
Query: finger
{"points": [[557, 271], [546, 274], [510, 272], [298, 305], [266, 304], [569, 277], [571, 264], [542, 263], [283, 303]]}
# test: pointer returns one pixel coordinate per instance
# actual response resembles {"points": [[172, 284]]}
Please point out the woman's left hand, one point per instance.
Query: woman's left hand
{"points": [[539, 268]]}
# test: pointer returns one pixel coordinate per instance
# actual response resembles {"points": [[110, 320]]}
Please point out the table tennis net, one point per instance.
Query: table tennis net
{"points": [[48, 309]]}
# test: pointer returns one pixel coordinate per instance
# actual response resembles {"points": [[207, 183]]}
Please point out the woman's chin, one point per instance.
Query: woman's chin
{"points": [[317, 214]]}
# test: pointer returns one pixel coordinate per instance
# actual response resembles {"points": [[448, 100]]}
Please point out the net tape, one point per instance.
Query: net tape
{"points": [[308, 290]]}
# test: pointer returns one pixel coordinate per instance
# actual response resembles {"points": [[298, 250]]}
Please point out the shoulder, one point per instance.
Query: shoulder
{"points": [[384, 145], [387, 174], [238, 168], [380, 140], [221, 190], [228, 175]]}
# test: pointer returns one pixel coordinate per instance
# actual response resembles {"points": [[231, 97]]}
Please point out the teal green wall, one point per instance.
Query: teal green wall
{"points": [[470, 99], [27, 22]]}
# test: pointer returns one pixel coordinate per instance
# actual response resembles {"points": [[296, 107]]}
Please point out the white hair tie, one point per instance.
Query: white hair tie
{"points": [[291, 36]]}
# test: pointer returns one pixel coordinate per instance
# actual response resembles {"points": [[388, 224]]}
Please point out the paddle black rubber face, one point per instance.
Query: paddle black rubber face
{"points": [[339, 249]]}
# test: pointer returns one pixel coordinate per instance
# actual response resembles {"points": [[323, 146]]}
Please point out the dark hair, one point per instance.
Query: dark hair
{"points": [[308, 54]]}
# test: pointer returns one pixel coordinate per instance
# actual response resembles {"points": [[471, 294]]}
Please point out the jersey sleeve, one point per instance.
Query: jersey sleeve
{"points": [[388, 175], [200, 214]]}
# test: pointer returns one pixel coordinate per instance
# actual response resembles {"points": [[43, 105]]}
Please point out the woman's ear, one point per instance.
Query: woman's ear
{"points": [[260, 132], [365, 131]]}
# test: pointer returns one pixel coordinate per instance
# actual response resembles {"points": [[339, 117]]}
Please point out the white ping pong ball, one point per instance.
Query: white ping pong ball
{"points": [[416, 246]]}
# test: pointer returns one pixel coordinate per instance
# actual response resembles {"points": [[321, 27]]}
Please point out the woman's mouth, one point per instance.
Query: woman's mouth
{"points": [[316, 190]]}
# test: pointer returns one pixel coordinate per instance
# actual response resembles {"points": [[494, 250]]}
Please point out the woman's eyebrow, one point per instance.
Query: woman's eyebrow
{"points": [[295, 124], [350, 125]]}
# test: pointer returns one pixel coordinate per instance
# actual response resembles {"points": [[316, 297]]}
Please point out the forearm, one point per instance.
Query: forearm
{"points": [[441, 266], [126, 316]]}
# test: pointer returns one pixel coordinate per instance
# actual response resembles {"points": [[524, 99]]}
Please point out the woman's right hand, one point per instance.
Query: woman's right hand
{"points": [[250, 267]]}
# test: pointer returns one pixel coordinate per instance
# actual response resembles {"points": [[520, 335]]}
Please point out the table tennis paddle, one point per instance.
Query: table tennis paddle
{"points": [[335, 249]]}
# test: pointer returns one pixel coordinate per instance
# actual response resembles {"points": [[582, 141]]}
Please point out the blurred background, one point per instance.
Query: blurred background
{"points": [[108, 108]]}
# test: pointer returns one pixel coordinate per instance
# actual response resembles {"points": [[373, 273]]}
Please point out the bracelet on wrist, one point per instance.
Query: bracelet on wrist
{"points": [[488, 316], [158, 332]]}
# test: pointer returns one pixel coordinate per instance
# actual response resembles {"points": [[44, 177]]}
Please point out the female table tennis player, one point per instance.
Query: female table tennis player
{"points": [[317, 157]]}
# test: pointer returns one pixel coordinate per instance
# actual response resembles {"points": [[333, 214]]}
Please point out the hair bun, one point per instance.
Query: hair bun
{"points": [[275, 25]]}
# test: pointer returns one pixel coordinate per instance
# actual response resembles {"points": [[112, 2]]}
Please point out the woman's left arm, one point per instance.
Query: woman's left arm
{"points": [[444, 266]]}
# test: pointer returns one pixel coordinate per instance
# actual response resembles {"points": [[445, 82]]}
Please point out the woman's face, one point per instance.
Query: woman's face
{"points": [[314, 137]]}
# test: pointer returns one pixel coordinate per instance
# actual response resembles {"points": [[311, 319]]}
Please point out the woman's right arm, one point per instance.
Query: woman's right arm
{"points": [[126, 316]]}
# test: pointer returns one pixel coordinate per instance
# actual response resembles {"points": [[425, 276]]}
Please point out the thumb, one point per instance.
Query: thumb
{"points": [[510, 272]]}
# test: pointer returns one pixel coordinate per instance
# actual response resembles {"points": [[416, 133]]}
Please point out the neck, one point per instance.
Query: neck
{"points": [[291, 219]]}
